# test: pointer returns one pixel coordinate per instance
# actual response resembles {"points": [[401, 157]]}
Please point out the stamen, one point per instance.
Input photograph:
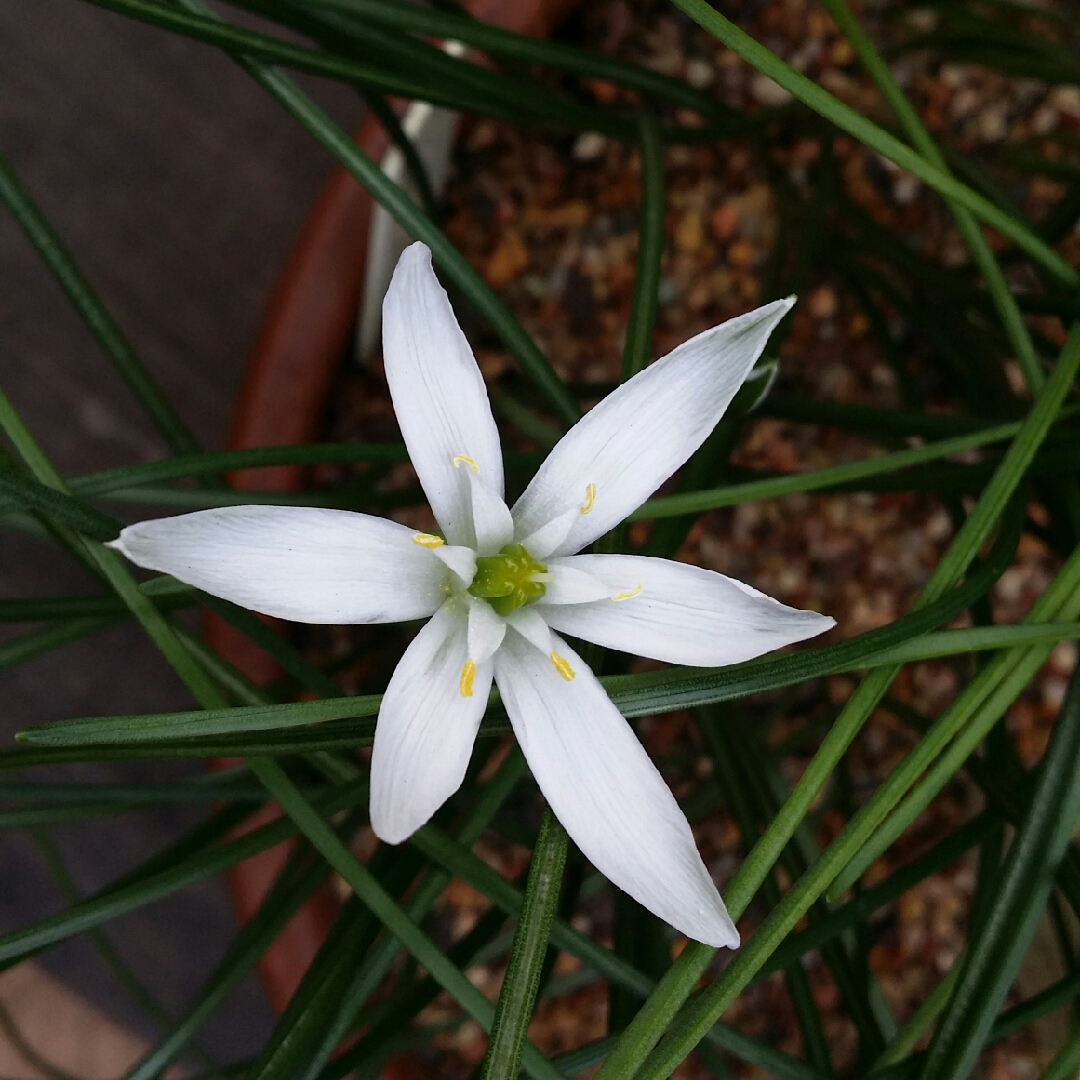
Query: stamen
{"points": [[628, 595], [561, 666], [590, 498], [428, 540], [468, 673], [461, 459]]}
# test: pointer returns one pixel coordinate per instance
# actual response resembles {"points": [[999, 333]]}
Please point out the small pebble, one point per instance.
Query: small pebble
{"points": [[766, 92], [699, 74], [724, 220], [589, 146]]}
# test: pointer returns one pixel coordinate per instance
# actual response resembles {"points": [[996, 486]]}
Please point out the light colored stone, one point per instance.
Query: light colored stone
{"points": [[766, 92], [589, 146]]}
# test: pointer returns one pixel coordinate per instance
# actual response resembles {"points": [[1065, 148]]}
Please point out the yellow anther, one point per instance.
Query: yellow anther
{"points": [[461, 459], [635, 591], [590, 498], [428, 540], [468, 673], [561, 666]]}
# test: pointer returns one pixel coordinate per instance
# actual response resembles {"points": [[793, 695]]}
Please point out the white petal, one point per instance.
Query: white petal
{"points": [[606, 791], [486, 630], [439, 394], [546, 539], [462, 560], [301, 563], [426, 727], [682, 614], [492, 524], [571, 585], [530, 624], [621, 451]]}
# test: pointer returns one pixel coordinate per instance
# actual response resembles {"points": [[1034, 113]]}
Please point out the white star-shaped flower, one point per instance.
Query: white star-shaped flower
{"points": [[499, 583]]}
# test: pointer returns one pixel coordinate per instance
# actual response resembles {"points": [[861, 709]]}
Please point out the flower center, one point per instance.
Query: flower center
{"points": [[509, 580]]}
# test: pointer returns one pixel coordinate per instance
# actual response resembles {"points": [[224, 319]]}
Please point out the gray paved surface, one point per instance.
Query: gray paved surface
{"points": [[179, 186]]}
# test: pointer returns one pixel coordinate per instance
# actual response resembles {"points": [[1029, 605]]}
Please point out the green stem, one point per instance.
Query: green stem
{"points": [[515, 1005]]}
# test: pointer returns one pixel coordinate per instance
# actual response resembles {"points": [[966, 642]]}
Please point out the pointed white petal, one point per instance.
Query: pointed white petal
{"points": [[682, 614], [301, 563], [439, 395], [571, 585], [530, 624], [492, 524], [550, 536], [426, 727], [486, 630], [606, 791], [621, 451], [462, 560]]}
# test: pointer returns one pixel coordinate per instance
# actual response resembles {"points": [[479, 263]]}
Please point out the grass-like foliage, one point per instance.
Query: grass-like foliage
{"points": [[1002, 459]]}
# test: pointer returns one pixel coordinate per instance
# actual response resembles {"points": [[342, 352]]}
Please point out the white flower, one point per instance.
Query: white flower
{"points": [[503, 581]]}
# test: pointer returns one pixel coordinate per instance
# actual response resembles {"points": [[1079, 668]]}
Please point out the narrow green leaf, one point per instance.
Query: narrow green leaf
{"points": [[109, 954], [919, 1021], [904, 641], [49, 608], [696, 502], [285, 655], [53, 637], [129, 476], [1066, 1061], [23, 493]]}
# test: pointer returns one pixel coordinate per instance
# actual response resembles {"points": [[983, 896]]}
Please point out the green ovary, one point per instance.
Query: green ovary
{"points": [[509, 580]]}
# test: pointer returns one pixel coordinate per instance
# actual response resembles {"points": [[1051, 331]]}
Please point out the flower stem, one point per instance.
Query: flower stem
{"points": [[514, 1009]]}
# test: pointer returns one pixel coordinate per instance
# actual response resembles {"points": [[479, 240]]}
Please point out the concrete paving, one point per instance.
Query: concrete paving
{"points": [[179, 186]]}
